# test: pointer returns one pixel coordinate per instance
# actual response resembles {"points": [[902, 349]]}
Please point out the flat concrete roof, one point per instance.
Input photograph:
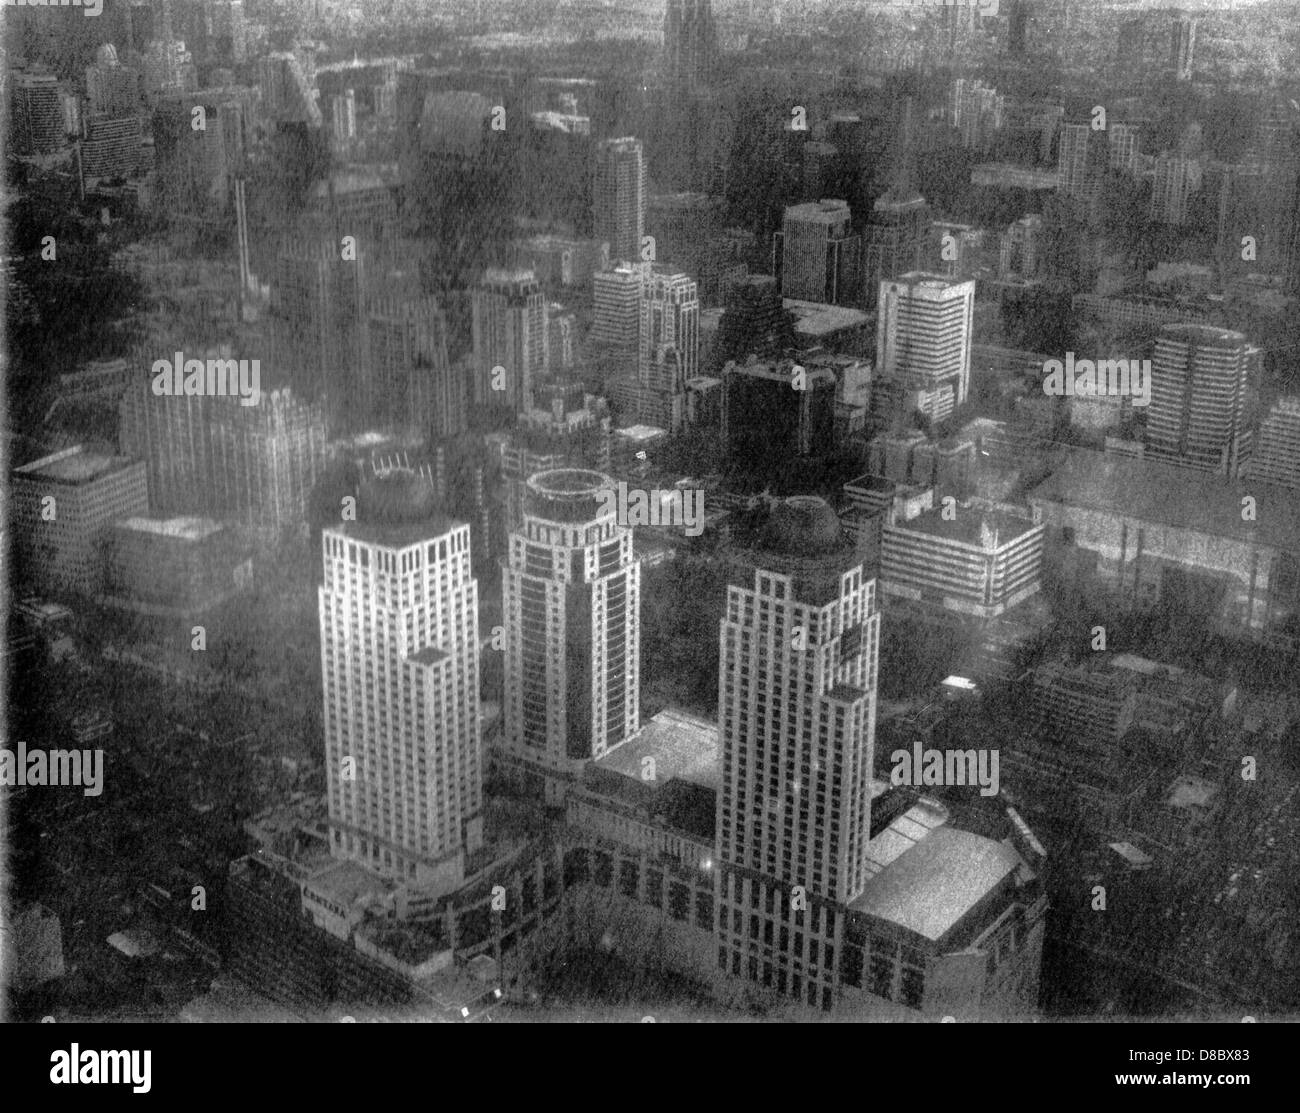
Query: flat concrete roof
{"points": [[965, 527], [74, 465], [186, 529], [1152, 491], [931, 886], [683, 746]]}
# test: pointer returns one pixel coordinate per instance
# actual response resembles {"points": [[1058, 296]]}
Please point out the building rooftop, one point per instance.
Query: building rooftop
{"points": [[969, 526], [815, 319], [932, 885], [1191, 792], [184, 529], [1151, 491], [683, 746], [74, 466], [348, 882]]}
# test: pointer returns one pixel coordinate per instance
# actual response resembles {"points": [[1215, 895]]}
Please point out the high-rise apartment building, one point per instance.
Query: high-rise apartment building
{"points": [[1018, 250], [35, 114], [571, 590], [399, 669], [111, 88], [1077, 162], [510, 339], [975, 110], [923, 341], [618, 197], [796, 715], [111, 148], [690, 43], [816, 255], [1199, 399], [1276, 456], [1176, 179]]}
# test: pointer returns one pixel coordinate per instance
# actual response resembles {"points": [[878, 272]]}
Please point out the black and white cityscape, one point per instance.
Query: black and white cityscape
{"points": [[651, 510]]}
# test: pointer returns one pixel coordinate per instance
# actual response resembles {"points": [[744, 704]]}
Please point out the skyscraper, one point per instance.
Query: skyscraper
{"points": [[618, 197], [815, 256], [923, 340], [399, 671], [1276, 458], [571, 594], [897, 239], [413, 384], [111, 88], [509, 329], [1176, 179], [690, 43], [796, 714], [36, 117], [1199, 385], [669, 315], [617, 296]]}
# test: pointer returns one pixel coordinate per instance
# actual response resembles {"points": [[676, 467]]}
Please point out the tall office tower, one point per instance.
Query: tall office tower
{"points": [[265, 459], [112, 147], [976, 111], [1077, 162], [255, 465], [1276, 456], [923, 340], [754, 322], [690, 43], [767, 419], [319, 323], [618, 197], [617, 295], [816, 256], [1123, 151], [509, 327], [897, 239], [111, 88], [669, 315], [1017, 24], [1176, 179], [1182, 44], [286, 91], [399, 669], [819, 163], [35, 114], [686, 228], [195, 165], [413, 386], [168, 69], [1199, 398], [64, 506], [571, 593], [1019, 248], [796, 716]]}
